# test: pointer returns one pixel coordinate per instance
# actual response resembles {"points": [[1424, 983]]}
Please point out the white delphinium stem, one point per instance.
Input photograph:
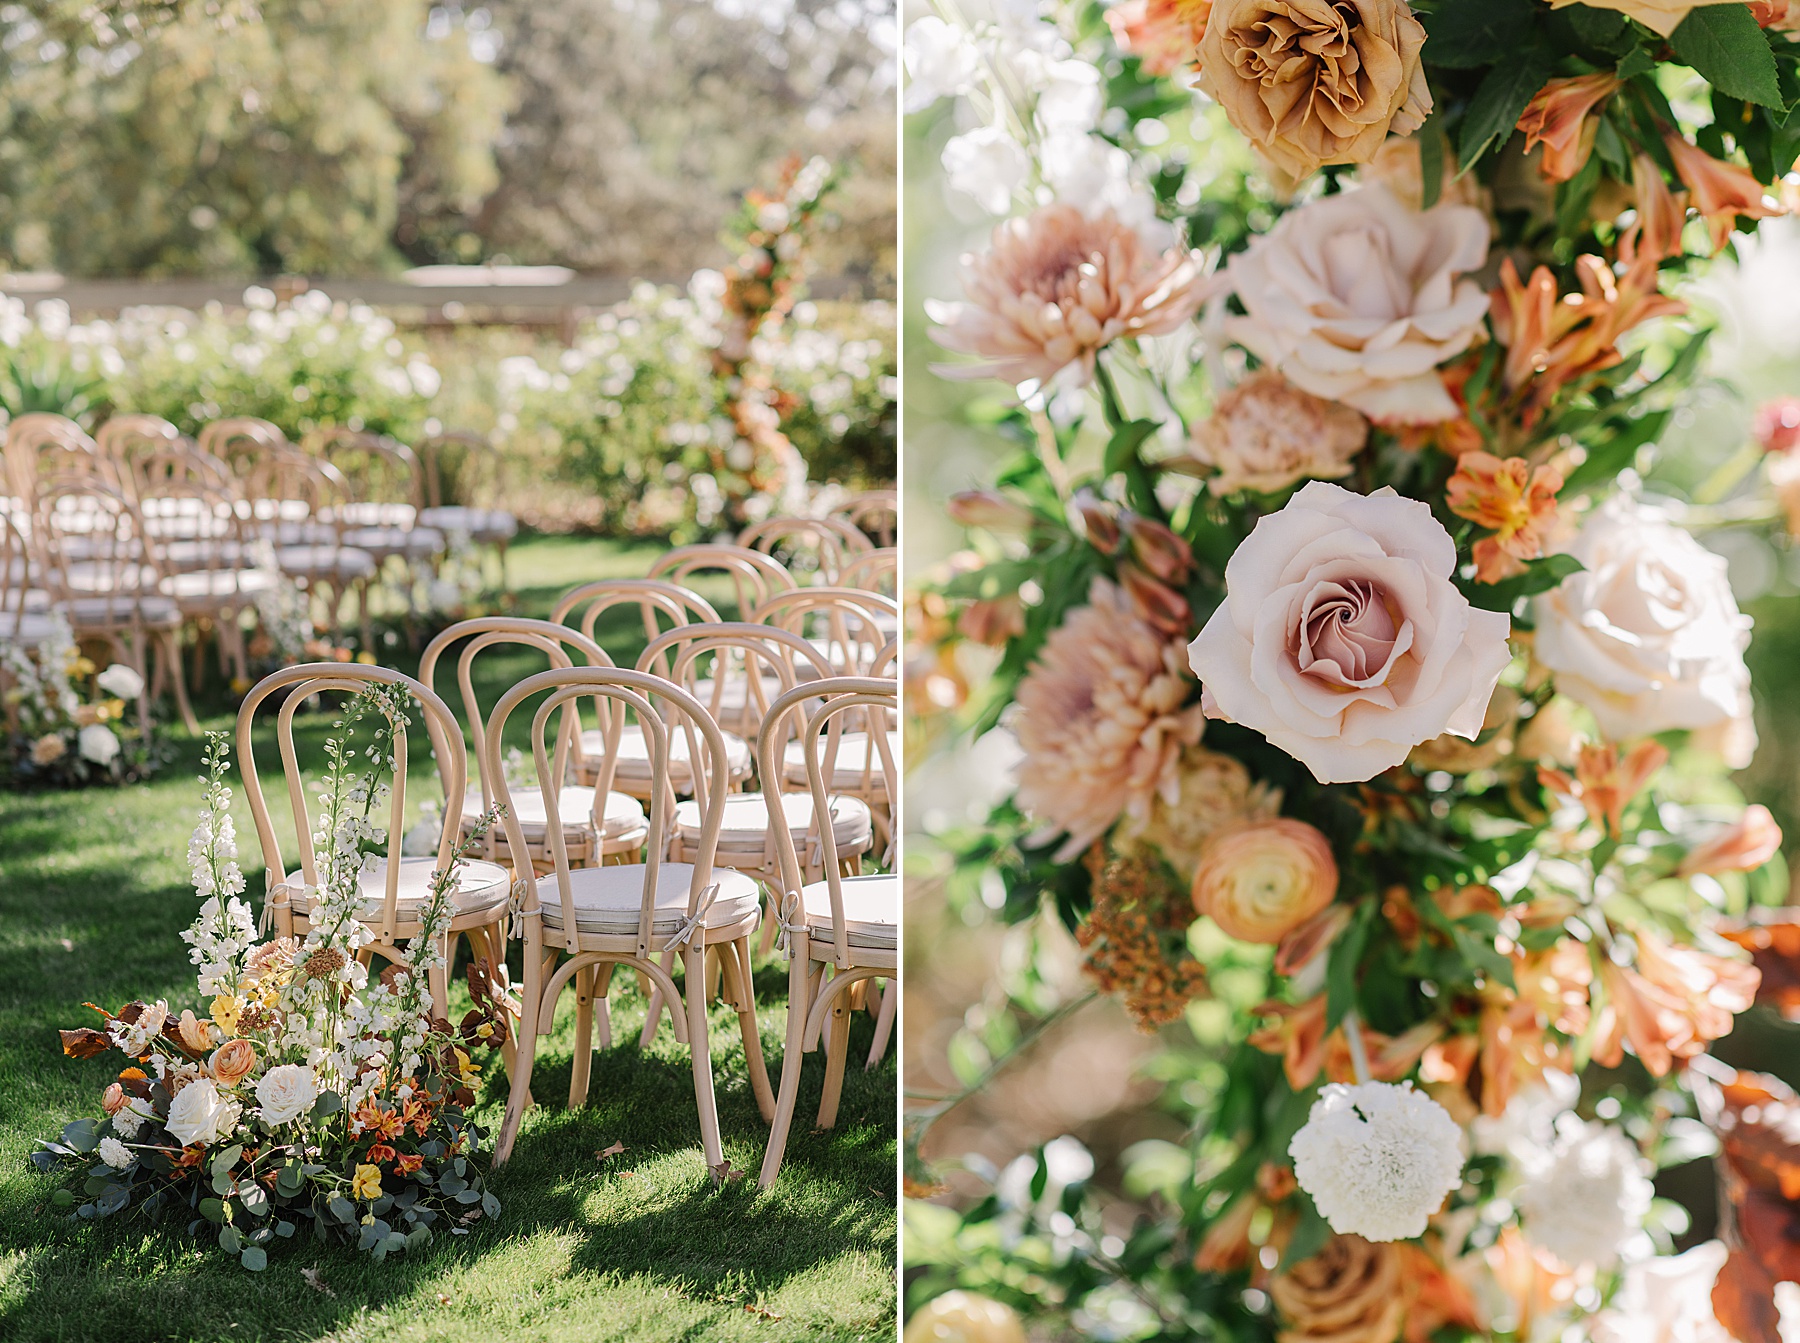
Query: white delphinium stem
{"points": [[224, 932]]}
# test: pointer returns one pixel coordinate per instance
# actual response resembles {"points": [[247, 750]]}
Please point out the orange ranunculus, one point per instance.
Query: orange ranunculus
{"points": [[232, 1061], [1260, 880], [1163, 34], [1743, 846], [1721, 191], [1511, 499], [112, 1100], [1562, 117], [1604, 782]]}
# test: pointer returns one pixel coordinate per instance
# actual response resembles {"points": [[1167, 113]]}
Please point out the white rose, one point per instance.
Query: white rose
{"points": [[199, 1114], [98, 743], [115, 1153], [1648, 636], [1667, 1299], [988, 166], [286, 1093], [1355, 298], [1342, 639], [120, 681], [940, 63]]}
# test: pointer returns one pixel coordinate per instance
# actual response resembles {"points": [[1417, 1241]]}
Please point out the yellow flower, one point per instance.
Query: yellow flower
{"points": [[240, 685], [225, 1009], [112, 708], [367, 1184], [367, 659], [82, 667], [466, 1067]]}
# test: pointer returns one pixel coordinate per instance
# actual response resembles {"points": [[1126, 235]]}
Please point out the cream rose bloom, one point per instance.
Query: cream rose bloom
{"points": [[1662, 16], [284, 1094], [1649, 637], [1355, 298], [199, 1114], [1342, 638], [1311, 82]]}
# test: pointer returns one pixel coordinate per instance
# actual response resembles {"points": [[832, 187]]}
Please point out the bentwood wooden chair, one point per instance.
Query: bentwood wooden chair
{"points": [[873, 571], [839, 931], [126, 439], [474, 466], [849, 626], [202, 543], [598, 824], [295, 503], [395, 889], [874, 513], [42, 447], [824, 545], [580, 925], [754, 576]]}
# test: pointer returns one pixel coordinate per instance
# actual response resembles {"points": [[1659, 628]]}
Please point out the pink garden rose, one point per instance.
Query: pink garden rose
{"points": [[1342, 638]]}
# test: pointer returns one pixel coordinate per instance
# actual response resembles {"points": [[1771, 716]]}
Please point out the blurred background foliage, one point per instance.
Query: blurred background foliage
{"points": [[227, 137]]}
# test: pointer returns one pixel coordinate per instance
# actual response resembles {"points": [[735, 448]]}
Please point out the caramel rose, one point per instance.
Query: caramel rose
{"points": [[1311, 82], [1349, 1292]]}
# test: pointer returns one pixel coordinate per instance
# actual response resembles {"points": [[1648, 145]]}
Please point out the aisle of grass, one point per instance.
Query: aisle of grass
{"points": [[93, 891]]}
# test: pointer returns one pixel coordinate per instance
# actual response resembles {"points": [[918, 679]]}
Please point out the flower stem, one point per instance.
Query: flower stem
{"points": [[1359, 1055]]}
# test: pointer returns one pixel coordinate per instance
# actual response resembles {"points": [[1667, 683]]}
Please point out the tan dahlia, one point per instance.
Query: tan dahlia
{"points": [[1213, 791], [1055, 288], [1102, 718], [1266, 434]]}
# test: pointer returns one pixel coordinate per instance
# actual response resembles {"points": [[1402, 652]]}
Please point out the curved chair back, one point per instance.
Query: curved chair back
{"points": [[302, 682], [458, 466], [874, 513], [386, 483], [849, 626], [243, 442], [755, 577], [554, 641], [873, 571], [728, 667], [662, 709], [156, 465], [827, 544], [197, 527], [124, 439], [89, 541], [817, 712], [658, 603], [41, 447]]}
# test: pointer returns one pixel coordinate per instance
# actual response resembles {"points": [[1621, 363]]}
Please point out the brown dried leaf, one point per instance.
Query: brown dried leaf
{"points": [[724, 1172], [1772, 937], [1743, 1299], [613, 1150], [315, 1280], [760, 1311], [84, 1043]]}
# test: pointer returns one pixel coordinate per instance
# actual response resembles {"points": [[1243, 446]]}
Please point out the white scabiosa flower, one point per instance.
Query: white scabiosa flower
{"points": [[115, 1153], [98, 744], [1377, 1159], [1587, 1198]]}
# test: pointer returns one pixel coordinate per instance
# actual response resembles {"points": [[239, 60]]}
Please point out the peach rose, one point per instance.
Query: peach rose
{"points": [[48, 749], [112, 1100], [232, 1061], [1311, 82], [963, 1317], [1342, 638], [1261, 880], [1662, 16], [1357, 298]]}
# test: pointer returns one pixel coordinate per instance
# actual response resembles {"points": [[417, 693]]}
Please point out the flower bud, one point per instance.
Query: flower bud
{"points": [[992, 622], [1158, 604], [1097, 520], [1158, 549], [1778, 424], [989, 510]]}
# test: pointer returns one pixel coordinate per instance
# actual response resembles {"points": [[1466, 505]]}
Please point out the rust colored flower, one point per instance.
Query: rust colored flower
{"points": [[1721, 191], [232, 1062], [1161, 553], [1103, 715], [1351, 1291], [1514, 501], [1135, 939], [380, 1152], [1742, 846], [992, 621], [1605, 782], [1097, 521], [1298, 1035], [1155, 602], [1163, 34], [991, 511], [1778, 424], [1226, 1246], [323, 963], [1266, 434], [1058, 286], [1662, 214], [1311, 939], [408, 1163], [1564, 118], [1260, 880]]}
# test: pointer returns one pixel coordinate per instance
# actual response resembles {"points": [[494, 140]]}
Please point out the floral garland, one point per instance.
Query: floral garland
{"points": [[308, 1091], [53, 734], [1346, 653]]}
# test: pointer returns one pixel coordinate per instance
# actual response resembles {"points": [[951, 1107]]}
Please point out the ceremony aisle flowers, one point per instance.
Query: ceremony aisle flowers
{"points": [[61, 723], [305, 1095], [1373, 713]]}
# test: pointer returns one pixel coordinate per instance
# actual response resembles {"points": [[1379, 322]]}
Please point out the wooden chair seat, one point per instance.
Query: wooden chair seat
{"points": [[633, 765], [608, 900], [623, 816], [871, 909], [746, 823], [481, 888], [25, 627]]}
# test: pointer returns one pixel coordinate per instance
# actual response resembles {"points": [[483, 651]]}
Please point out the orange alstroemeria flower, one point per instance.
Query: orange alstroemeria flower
{"points": [[1163, 34], [1672, 1006], [1298, 1035], [1511, 499], [1562, 118], [1662, 214], [1721, 191], [1743, 846], [1605, 782]]}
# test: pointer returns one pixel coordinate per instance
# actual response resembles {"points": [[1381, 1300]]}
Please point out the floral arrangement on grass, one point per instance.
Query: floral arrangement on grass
{"points": [[1374, 717], [63, 714], [305, 1095]]}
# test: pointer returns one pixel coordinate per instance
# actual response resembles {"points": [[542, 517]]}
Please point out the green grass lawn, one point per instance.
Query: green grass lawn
{"points": [[93, 892]]}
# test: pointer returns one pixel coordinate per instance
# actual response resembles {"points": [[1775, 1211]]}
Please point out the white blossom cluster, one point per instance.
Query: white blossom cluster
{"points": [[224, 932], [134, 1037], [1377, 1159]]}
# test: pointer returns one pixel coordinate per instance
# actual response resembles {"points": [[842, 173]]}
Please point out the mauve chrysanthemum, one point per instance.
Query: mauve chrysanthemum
{"points": [[1056, 287], [1102, 719]]}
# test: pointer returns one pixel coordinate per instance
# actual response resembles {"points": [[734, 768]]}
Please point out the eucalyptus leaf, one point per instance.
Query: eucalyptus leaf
{"points": [[254, 1258], [230, 1239], [212, 1209], [113, 1198], [227, 1158]]}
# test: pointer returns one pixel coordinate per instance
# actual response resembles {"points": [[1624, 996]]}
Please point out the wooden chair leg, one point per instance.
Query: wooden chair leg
{"points": [[654, 1015], [519, 1098], [792, 1054], [884, 1024], [837, 1050], [603, 975], [584, 1037], [735, 958], [171, 649], [700, 1047]]}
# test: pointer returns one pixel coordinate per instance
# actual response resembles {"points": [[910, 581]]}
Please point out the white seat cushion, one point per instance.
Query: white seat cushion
{"points": [[480, 525], [377, 515], [608, 899], [575, 804], [26, 627], [480, 887], [325, 561], [184, 555], [847, 767], [746, 823], [410, 541], [634, 753], [871, 911], [149, 609], [204, 585]]}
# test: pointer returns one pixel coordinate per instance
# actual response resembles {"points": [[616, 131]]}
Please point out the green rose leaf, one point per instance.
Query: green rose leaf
{"points": [[1728, 50], [1500, 101]]}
